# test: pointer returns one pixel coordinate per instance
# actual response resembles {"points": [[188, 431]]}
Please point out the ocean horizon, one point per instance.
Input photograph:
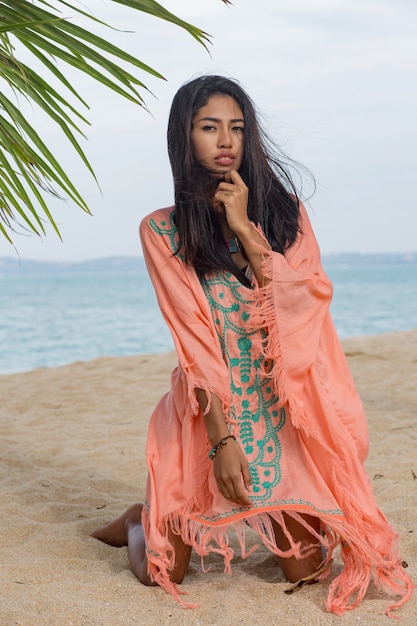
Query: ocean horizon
{"points": [[55, 313]]}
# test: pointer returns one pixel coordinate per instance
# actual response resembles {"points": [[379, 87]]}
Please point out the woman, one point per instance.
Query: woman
{"points": [[262, 426]]}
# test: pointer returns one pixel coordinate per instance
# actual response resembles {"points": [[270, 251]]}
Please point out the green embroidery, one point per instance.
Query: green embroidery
{"points": [[153, 553], [167, 230], [280, 504], [254, 401]]}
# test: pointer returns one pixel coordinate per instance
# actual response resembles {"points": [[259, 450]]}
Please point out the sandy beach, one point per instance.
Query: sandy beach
{"points": [[72, 458]]}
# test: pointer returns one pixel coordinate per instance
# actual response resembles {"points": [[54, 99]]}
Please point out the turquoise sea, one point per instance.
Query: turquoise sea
{"points": [[54, 314]]}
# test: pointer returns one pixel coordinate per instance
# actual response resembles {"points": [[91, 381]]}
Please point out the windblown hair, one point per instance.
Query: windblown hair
{"points": [[273, 201]]}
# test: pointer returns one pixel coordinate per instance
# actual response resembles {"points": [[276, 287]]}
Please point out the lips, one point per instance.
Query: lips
{"points": [[225, 158]]}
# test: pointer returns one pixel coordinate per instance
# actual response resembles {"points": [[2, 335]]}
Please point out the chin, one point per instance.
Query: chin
{"points": [[216, 173], [220, 172]]}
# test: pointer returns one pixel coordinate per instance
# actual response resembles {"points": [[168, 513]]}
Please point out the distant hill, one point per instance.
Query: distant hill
{"points": [[10, 265], [127, 264], [380, 258]]}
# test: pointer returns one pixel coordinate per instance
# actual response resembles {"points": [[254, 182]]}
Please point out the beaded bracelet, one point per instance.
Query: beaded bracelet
{"points": [[233, 244], [216, 448]]}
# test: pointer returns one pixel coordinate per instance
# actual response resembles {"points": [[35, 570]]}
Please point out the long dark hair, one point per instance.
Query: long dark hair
{"points": [[273, 200]]}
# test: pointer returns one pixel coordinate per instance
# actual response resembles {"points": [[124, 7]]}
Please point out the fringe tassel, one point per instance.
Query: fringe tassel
{"points": [[263, 315], [347, 590], [193, 405]]}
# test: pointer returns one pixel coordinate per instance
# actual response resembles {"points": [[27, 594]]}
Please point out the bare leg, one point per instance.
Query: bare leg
{"points": [[293, 568], [127, 530]]}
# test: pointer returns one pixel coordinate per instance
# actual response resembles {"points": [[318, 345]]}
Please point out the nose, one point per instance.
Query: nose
{"points": [[225, 138]]}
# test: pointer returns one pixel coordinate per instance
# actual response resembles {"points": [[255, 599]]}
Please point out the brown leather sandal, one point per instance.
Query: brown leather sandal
{"points": [[311, 579]]}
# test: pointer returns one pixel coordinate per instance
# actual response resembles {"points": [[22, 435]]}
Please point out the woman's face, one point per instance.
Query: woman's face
{"points": [[217, 135]]}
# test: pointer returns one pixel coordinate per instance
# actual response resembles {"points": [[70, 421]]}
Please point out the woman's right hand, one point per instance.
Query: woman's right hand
{"points": [[230, 465], [231, 471]]}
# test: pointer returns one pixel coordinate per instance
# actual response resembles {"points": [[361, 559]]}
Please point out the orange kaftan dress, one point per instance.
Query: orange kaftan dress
{"points": [[272, 356]]}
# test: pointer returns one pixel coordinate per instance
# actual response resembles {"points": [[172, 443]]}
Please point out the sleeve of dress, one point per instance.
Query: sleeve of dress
{"points": [[292, 307], [186, 311], [302, 342]]}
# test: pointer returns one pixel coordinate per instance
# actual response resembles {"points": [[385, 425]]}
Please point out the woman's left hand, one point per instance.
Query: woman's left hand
{"points": [[232, 195]]}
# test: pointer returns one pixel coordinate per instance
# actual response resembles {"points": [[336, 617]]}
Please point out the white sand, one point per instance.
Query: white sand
{"points": [[72, 458]]}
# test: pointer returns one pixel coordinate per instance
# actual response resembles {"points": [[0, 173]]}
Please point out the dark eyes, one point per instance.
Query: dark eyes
{"points": [[210, 128]]}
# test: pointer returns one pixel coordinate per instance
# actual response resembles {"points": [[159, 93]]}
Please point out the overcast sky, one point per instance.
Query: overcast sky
{"points": [[335, 80]]}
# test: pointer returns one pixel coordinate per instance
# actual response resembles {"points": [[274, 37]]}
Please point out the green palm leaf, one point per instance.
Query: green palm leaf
{"points": [[29, 171]]}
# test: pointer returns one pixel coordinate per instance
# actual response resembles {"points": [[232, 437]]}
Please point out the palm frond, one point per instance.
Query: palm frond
{"points": [[29, 171]]}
